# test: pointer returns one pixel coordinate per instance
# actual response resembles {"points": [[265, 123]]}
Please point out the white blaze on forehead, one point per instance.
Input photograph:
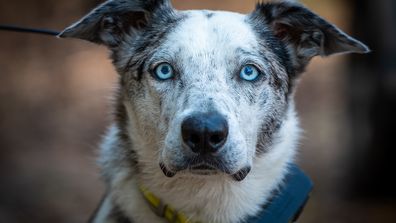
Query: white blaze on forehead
{"points": [[222, 31]]}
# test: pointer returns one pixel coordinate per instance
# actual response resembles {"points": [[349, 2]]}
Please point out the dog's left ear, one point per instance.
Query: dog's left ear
{"points": [[111, 21], [305, 33]]}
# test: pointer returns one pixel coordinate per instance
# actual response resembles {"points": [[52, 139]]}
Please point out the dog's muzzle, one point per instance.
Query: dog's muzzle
{"points": [[204, 135]]}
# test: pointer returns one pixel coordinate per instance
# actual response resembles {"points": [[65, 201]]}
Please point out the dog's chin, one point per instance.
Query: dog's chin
{"points": [[206, 170]]}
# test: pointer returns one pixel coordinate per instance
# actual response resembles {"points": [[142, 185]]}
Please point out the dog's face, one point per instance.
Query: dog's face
{"points": [[214, 84], [210, 90]]}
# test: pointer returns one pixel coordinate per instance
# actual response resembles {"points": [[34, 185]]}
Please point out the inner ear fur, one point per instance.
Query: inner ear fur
{"points": [[305, 33], [109, 22]]}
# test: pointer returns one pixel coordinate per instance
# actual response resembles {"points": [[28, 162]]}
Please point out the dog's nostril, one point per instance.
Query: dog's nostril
{"points": [[216, 139], [205, 133], [194, 139]]}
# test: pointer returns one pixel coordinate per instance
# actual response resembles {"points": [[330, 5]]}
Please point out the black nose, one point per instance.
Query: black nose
{"points": [[205, 133]]}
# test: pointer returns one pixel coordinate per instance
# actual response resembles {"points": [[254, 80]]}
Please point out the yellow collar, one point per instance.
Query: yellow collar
{"points": [[164, 210]]}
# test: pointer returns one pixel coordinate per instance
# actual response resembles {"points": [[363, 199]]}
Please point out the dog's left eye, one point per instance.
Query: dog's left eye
{"points": [[249, 73], [164, 71]]}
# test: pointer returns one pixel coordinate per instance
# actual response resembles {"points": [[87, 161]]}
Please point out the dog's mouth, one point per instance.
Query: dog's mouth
{"points": [[206, 169], [241, 174], [203, 169]]}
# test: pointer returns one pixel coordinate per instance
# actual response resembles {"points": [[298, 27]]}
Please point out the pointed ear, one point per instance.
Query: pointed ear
{"points": [[305, 33], [111, 21]]}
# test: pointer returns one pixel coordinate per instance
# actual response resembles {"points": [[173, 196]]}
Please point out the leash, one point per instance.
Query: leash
{"points": [[285, 207], [19, 29]]}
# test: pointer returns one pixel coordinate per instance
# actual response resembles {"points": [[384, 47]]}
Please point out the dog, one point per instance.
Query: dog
{"points": [[204, 116]]}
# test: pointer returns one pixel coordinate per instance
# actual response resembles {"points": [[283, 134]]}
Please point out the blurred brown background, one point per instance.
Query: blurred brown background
{"points": [[55, 106]]}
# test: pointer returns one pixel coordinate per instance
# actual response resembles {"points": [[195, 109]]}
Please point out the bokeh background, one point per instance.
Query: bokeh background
{"points": [[55, 106]]}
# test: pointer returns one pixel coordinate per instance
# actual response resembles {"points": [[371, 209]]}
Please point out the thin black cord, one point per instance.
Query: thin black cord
{"points": [[29, 30]]}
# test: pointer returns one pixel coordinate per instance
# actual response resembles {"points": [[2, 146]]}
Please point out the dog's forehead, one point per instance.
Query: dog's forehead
{"points": [[205, 30]]}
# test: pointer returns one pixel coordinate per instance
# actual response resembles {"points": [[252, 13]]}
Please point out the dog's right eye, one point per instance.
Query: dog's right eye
{"points": [[164, 71], [249, 73]]}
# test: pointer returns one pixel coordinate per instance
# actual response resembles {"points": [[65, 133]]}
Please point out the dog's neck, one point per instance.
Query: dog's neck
{"points": [[216, 198]]}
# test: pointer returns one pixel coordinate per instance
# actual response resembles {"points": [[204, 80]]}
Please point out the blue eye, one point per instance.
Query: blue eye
{"points": [[249, 73], [164, 71]]}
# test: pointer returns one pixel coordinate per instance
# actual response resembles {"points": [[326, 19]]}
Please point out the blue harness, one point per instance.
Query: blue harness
{"points": [[289, 201]]}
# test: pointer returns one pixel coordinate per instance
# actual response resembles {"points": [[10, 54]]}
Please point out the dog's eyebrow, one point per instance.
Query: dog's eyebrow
{"points": [[240, 50], [252, 56], [163, 54]]}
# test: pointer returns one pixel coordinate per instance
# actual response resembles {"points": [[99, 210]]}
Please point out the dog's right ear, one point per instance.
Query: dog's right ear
{"points": [[111, 21], [304, 33]]}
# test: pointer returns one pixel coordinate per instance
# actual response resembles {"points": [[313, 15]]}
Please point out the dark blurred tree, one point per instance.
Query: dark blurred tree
{"points": [[372, 86]]}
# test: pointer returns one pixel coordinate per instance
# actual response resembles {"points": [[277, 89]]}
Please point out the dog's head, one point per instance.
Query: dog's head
{"points": [[207, 91]]}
